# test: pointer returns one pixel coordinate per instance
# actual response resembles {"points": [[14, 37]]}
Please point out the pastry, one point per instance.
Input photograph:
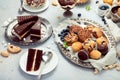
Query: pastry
{"points": [[13, 49], [81, 1], [35, 3], [89, 44], [5, 53], [34, 59], [90, 27], [102, 40], [97, 32], [103, 49], [67, 2], [83, 54], [75, 29], [108, 1], [84, 34], [118, 12], [95, 54], [70, 38], [76, 46]]}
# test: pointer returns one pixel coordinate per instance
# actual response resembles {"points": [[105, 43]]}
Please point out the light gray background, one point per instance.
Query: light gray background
{"points": [[65, 70]]}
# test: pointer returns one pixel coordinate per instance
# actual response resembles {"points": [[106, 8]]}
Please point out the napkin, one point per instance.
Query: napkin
{"points": [[114, 29]]}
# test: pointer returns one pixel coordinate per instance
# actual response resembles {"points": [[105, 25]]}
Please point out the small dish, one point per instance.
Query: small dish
{"points": [[38, 9], [50, 66]]}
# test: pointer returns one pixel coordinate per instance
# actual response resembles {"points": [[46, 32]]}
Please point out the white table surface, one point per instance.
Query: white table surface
{"points": [[65, 70]]}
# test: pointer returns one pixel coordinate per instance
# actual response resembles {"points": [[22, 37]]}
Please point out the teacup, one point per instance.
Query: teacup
{"points": [[103, 9], [113, 14]]}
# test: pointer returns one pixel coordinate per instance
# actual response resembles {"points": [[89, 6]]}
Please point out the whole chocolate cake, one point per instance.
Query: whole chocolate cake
{"points": [[66, 2]]}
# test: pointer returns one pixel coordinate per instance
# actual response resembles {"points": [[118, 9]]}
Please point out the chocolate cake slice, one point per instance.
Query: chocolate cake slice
{"points": [[35, 31], [26, 19], [21, 31], [34, 59]]}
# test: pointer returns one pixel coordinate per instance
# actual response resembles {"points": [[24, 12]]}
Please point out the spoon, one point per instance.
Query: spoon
{"points": [[46, 58], [21, 8]]}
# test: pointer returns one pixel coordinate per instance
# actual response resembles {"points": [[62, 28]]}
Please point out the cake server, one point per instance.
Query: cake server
{"points": [[46, 58]]}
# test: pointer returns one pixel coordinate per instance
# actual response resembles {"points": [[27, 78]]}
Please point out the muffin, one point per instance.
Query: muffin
{"points": [[108, 1], [102, 40], [90, 27], [95, 54], [76, 46], [84, 34], [97, 32], [103, 49], [83, 54], [75, 29], [89, 44], [70, 38], [118, 12]]}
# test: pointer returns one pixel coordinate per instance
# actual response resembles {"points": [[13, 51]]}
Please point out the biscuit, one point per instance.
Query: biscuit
{"points": [[5, 53], [13, 49]]}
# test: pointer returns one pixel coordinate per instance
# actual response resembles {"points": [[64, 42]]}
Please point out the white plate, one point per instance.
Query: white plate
{"points": [[48, 67], [39, 9]]}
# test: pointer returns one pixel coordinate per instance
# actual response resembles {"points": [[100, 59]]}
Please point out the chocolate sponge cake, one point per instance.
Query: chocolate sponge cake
{"points": [[34, 59]]}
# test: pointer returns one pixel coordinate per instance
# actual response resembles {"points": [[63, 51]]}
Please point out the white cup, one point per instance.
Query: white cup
{"points": [[103, 9]]}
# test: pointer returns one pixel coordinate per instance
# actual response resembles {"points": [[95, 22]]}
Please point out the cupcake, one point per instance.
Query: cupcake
{"points": [[97, 32], [83, 54], [89, 44], [95, 54], [103, 49], [102, 40]]}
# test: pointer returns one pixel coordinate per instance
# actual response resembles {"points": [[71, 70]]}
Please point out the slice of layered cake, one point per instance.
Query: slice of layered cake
{"points": [[25, 19], [35, 31], [34, 59], [21, 31]]}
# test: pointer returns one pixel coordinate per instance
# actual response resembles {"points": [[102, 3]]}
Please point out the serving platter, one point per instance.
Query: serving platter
{"points": [[68, 52], [38, 9], [46, 31]]}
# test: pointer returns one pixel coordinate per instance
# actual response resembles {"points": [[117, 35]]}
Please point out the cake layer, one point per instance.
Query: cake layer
{"points": [[34, 59], [26, 19]]}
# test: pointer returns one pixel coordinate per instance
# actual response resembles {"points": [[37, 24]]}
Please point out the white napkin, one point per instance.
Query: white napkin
{"points": [[114, 29], [108, 59]]}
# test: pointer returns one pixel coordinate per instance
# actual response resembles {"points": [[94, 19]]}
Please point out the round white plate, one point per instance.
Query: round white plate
{"points": [[39, 9], [47, 68]]}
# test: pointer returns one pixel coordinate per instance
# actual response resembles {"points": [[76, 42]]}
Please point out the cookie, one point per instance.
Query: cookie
{"points": [[5, 53], [13, 49]]}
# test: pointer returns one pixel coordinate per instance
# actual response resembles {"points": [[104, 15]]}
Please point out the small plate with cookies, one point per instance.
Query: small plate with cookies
{"points": [[81, 40]]}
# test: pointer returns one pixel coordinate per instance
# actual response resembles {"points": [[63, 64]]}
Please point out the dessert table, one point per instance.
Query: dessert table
{"points": [[9, 67]]}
